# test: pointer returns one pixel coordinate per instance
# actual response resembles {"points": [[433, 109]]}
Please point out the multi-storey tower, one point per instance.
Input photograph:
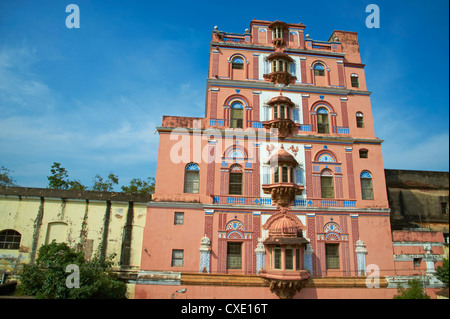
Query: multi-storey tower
{"points": [[284, 176]]}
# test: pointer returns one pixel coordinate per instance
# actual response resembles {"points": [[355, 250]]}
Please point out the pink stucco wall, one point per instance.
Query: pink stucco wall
{"points": [[224, 292]]}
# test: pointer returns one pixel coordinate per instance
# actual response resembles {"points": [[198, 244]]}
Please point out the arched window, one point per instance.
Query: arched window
{"points": [[10, 239], [363, 153], [191, 178], [326, 184], [355, 80], [237, 63], [359, 119], [366, 185], [319, 69], [322, 121], [235, 181], [237, 115]]}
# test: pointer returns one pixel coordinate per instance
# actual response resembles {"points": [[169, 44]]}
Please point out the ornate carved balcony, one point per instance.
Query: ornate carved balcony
{"points": [[279, 66], [285, 127], [283, 193], [285, 274], [278, 28], [282, 187], [280, 77], [281, 112]]}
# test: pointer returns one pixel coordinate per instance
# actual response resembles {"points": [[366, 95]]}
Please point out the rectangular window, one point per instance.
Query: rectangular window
{"points": [[282, 115], [366, 188], [178, 218], [191, 182], [276, 176], [359, 121], [417, 262], [235, 184], [234, 255], [363, 154], [237, 116], [284, 174], [237, 64], [326, 186], [177, 257], [319, 72], [332, 256], [322, 123], [355, 81], [297, 259], [277, 258], [275, 112], [288, 259]]}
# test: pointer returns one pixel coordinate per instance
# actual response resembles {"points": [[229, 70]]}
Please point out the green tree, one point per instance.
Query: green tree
{"points": [[5, 178], [140, 186], [415, 291], [107, 185], [60, 179], [442, 272], [47, 278]]}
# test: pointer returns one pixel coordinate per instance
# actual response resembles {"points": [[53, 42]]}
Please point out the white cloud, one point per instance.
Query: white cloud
{"points": [[20, 89]]}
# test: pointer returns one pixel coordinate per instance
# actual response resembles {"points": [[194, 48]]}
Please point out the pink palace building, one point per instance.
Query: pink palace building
{"points": [[279, 191]]}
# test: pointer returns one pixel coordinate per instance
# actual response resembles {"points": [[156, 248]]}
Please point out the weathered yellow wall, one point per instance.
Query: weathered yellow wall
{"points": [[78, 222]]}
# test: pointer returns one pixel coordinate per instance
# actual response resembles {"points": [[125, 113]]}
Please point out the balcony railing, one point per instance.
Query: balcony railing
{"points": [[216, 122], [341, 130], [241, 200], [237, 39], [307, 128], [256, 124], [301, 127], [265, 201], [316, 46]]}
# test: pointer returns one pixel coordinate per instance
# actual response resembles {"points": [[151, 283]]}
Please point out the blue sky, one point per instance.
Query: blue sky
{"points": [[91, 98]]}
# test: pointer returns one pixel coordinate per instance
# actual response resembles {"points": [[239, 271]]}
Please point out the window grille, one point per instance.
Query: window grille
{"points": [[355, 80], [366, 185], [326, 185], [178, 218], [332, 256], [191, 178], [235, 187], [177, 257], [359, 120], [234, 255], [10, 239]]}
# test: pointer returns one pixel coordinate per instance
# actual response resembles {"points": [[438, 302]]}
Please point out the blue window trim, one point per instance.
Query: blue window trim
{"points": [[192, 167]]}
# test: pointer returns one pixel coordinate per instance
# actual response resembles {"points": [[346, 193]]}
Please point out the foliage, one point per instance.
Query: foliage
{"points": [[415, 291], [105, 186], [442, 272], [5, 178], [60, 179], [140, 186], [47, 278]]}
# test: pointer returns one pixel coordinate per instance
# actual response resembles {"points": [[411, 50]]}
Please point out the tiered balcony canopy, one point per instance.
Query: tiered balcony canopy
{"points": [[281, 116], [282, 188], [279, 66], [278, 28]]}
